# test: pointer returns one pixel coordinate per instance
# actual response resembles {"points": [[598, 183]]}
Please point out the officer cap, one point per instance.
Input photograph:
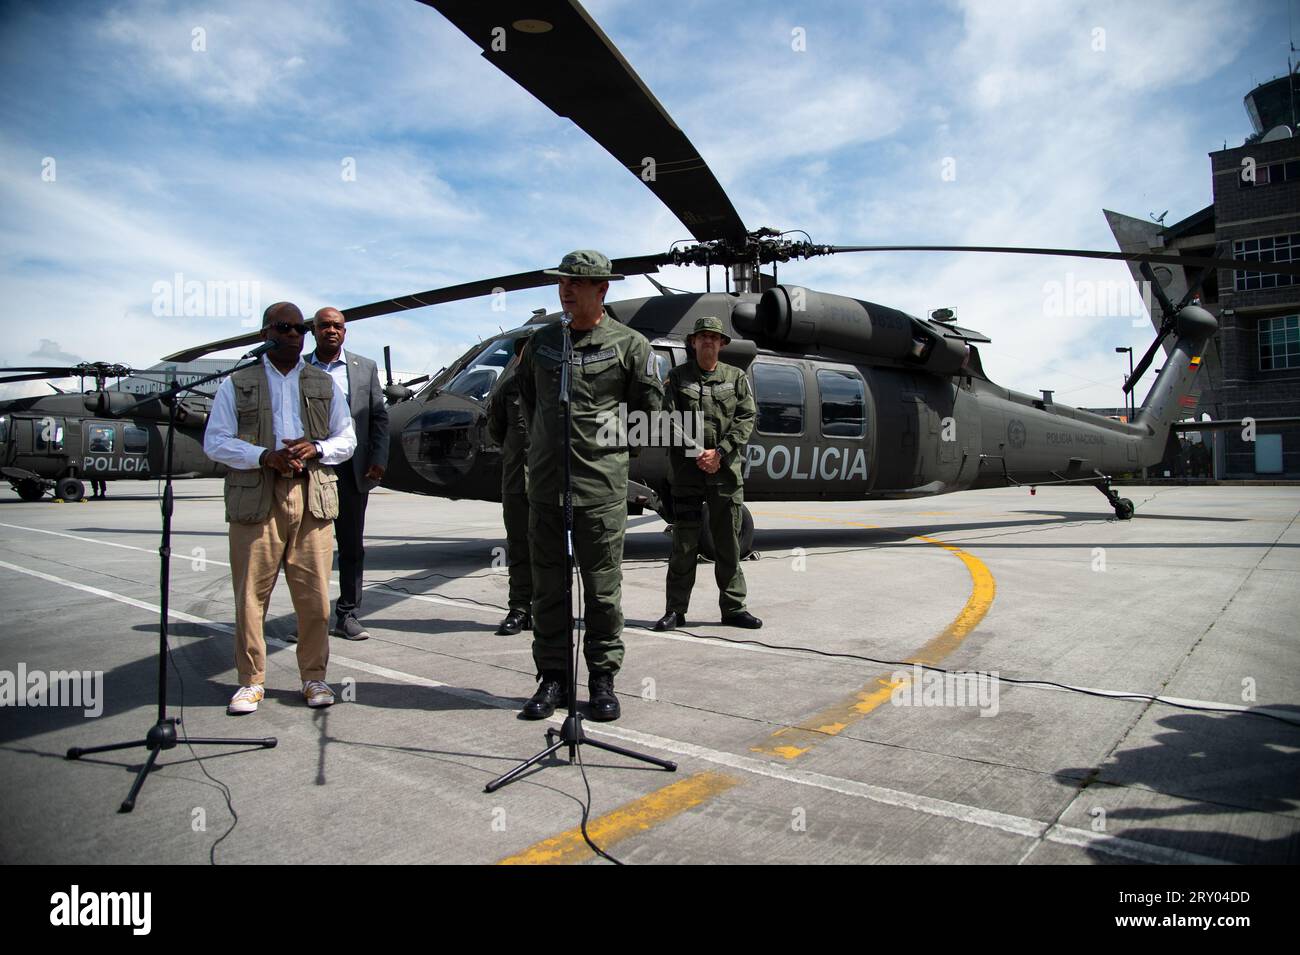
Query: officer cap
{"points": [[710, 323], [585, 264]]}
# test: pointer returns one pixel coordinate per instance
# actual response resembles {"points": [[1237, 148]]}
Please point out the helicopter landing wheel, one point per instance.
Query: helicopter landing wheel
{"points": [[30, 490], [1124, 509], [70, 489]]}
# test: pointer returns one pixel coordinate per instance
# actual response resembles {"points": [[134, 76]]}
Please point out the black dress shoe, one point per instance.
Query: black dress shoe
{"points": [[515, 621], [670, 621], [604, 704], [550, 694], [743, 619]]}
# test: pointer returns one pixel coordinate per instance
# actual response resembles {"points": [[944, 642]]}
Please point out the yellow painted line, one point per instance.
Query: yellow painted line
{"points": [[635, 817], [791, 742]]}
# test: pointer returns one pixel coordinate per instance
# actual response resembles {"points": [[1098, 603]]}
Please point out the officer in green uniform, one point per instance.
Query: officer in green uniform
{"points": [[705, 469], [506, 426], [612, 365]]}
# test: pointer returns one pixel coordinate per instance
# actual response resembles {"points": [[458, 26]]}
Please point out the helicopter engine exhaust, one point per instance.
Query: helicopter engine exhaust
{"points": [[790, 315]]}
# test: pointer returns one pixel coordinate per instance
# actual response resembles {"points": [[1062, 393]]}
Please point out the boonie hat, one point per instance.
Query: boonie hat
{"points": [[585, 264], [710, 323]]}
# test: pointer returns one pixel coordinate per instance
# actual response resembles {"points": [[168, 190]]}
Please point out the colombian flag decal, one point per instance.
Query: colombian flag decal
{"points": [[1196, 363]]}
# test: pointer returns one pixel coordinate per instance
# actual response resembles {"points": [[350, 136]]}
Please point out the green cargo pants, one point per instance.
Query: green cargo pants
{"points": [[724, 521], [514, 511], [598, 547]]}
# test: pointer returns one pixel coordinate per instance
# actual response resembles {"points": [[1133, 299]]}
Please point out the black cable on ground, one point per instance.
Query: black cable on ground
{"points": [[983, 673], [582, 767], [221, 786]]}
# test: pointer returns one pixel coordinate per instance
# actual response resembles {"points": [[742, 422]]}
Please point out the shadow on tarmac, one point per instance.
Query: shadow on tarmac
{"points": [[1214, 765]]}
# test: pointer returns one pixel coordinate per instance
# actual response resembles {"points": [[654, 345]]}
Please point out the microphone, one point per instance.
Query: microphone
{"points": [[566, 319], [263, 348]]}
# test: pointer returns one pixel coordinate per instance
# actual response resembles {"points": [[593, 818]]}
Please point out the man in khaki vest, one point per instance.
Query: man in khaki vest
{"points": [[279, 426]]}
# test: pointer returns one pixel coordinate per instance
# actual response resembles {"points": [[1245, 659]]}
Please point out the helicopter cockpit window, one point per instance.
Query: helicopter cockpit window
{"points": [[665, 362], [844, 404], [101, 439], [135, 440], [478, 376], [4, 430], [779, 391]]}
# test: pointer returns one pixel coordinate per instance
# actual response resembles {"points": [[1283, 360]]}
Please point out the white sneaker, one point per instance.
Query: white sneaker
{"points": [[318, 693], [245, 700]]}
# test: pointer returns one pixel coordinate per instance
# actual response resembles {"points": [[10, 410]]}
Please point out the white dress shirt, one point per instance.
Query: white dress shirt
{"points": [[337, 369], [222, 444]]}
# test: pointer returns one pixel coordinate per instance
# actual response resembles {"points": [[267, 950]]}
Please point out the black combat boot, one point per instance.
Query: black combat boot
{"points": [[550, 694], [604, 704], [515, 621], [670, 621]]}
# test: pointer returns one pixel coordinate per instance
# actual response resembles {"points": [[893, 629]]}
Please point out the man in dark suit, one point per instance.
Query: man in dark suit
{"points": [[358, 378]]}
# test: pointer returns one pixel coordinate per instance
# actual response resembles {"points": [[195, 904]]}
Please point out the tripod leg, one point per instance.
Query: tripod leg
{"points": [[268, 742], [77, 752], [610, 747], [129, 802], [514, 773]]}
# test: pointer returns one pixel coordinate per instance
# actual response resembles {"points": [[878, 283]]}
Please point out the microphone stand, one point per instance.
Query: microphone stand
{"points": [[571, 733], [162, 735]]}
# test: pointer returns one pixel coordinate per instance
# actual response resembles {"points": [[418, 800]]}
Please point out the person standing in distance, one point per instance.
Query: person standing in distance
{"points": [[278, 426], [612, 366], [719, 397], [507, 427], [358, 379]]}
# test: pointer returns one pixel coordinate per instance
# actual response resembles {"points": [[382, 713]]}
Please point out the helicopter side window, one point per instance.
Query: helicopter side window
{"points": [[4, 430], [101, 439], [844, 404], [779, 391], [135, 440]]}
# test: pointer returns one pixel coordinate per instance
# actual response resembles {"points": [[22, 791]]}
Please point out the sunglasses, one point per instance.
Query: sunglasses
{"points": [[284, 328]]}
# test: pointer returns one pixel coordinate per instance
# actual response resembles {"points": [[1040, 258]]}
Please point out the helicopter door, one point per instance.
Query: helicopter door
{"points": [[46, 436], [777, 446], [842, 457]]}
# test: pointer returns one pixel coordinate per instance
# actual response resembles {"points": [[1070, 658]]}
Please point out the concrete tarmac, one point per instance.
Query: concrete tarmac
{"points": [[785, 756]]}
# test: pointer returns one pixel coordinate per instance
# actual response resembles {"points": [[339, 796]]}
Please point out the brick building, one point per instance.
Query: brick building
{"points": [[1252, 369]]}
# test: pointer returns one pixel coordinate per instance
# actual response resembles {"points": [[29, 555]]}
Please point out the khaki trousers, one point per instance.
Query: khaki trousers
{"points": [[305, 546]]}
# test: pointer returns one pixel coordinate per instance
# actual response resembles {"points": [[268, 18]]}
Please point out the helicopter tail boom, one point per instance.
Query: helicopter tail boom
{"points": [[1172, 397]]}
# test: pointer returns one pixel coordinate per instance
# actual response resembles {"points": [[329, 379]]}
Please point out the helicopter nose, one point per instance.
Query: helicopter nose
{"points": [[441, 442]]}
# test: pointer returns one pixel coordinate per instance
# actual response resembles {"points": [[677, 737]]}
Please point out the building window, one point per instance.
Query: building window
{"points": [[1277, 248], [1279, 343], [779, 390], [1269, 174], [844, 404]]}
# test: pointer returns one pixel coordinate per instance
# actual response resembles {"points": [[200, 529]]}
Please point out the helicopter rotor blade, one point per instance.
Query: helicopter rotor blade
{"points": [[388, 364], [1145, 363], [1170, 258], [635, 265], [415, 381], [1167, 310], [1194, 289], [554, 50], [38, 375]]}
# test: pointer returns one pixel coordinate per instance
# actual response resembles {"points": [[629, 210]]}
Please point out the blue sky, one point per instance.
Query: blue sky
{"points": [[224, 164]]}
